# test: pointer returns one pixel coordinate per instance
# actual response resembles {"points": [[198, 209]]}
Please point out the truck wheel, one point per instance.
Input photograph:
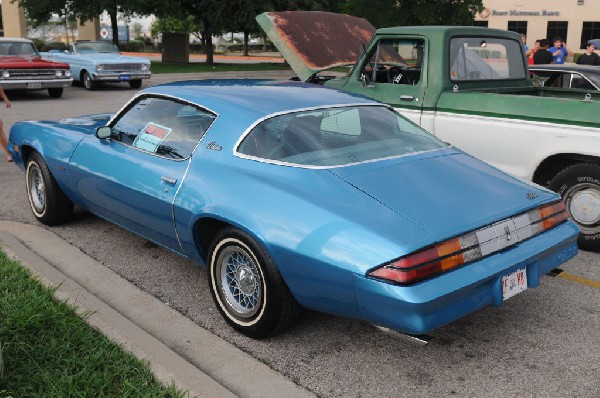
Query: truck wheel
{"points": [[88, 83], [579, 186], [56, 92], [246, 286], [48, 203], [135, 83]]}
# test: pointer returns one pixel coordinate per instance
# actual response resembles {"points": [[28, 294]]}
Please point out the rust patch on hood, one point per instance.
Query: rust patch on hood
{"points": [[313, 40]]}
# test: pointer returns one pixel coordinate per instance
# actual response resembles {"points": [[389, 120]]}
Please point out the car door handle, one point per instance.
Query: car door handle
{"points": [[169, 180], [406, 98]]}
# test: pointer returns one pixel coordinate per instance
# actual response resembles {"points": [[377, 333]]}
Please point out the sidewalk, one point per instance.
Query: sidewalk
{"points": [[178, 350]]}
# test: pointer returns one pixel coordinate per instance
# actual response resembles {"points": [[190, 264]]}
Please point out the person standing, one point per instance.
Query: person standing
{"points": [[531, 52], [559, 51], [543, 55], [589, 57], [3, 139]]}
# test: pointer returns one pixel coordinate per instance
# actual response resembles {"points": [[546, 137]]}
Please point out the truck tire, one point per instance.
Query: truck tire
{"points": [[137, 83], [579, 187]]}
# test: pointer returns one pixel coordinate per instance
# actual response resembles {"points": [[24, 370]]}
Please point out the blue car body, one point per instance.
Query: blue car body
{"points": [[102, 62], [326, 228]]}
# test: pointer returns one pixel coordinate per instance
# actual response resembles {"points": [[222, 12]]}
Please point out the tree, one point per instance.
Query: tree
{"points": [[384, 13]]}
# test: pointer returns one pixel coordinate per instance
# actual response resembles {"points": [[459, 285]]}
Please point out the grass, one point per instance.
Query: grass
{"points": [[198, 67], [49, 351]]}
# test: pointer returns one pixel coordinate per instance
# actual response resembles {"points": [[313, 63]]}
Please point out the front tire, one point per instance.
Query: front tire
{"points": [[88, 82], [56, 92], [48, 203], [135, 83], [579, 187], [247, 288]]}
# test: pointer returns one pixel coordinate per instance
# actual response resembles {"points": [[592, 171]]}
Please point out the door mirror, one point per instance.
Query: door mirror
{"points": [[104, 132]]}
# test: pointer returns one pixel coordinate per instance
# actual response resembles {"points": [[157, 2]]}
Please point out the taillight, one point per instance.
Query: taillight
{"points": [[470, 247]]}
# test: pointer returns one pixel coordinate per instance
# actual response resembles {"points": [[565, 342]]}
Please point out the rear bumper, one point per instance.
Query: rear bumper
{"points": [[35, 84], [425, 306]]}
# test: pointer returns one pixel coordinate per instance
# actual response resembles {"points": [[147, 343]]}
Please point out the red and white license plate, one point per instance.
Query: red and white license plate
{"points": [[514, 283]]}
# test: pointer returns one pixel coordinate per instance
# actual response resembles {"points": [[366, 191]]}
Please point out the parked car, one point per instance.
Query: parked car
{"points": [[586, 77], [295, 195], [22, 68], [95, 62]]}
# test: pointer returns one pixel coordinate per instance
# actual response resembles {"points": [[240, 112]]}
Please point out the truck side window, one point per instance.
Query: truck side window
{"points": [[395, 61]]}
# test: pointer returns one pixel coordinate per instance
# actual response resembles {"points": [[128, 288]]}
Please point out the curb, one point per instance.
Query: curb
{"points": [[179, 351]]}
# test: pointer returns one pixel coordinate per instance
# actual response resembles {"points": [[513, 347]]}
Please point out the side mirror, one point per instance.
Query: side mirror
{"points": [[103, 132]]}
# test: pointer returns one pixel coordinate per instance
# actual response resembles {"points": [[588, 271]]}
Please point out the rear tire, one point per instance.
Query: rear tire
{"points": [[48, 203], [247, 288], [579, 187], [55, 92]]}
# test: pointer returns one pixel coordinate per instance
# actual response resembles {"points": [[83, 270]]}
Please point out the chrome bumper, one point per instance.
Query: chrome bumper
{"points": [[120, 77], [35, 84]]}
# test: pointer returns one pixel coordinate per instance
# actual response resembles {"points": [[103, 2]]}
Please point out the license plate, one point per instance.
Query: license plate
{"points": [[125, 77], [34, 85], [514, 283]]}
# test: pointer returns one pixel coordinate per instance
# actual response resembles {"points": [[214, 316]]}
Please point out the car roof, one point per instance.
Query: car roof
{"points": [[14, 40], [566, 67], [255, 98]]}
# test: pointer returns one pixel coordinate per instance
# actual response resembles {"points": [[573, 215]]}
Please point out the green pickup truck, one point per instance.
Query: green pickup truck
{"points": [[469, 86]]}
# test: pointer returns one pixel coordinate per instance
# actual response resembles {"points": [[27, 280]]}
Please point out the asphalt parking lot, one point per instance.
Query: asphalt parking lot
{"points": [[543, 342]]}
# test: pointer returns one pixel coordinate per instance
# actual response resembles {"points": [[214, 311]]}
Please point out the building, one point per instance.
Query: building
{"points": [[575, 21]]}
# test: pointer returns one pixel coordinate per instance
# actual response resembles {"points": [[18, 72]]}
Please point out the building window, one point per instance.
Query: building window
{"points": [[483, 24], [591, 30], [518, 26], [557, 29]]}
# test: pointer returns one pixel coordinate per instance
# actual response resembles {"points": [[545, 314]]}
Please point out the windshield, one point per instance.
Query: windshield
{"points": [[17, 48], [486, 58], [336, 137], [95, 47]]}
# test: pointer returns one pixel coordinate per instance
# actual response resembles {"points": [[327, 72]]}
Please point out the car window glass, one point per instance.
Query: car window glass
{"points": [[396, 61], [486, 58], [336, 137], [578, 81], [162, 126]]}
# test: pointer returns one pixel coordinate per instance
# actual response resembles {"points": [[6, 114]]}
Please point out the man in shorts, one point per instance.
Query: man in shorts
{"points": [[3, 140]]}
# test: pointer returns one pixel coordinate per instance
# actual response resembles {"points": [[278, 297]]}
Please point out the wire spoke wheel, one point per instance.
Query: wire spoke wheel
{"points": [[240, 281]]}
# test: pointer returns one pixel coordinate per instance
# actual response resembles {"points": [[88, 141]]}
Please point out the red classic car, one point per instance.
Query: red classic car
{"points": [[22, 68]]}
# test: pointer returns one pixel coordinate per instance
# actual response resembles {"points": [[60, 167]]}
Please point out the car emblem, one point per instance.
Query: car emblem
{"points": [[214, 146], [532, 195]]}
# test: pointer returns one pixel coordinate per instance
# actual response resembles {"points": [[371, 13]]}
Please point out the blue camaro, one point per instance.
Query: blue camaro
{"points": [[297, 196]]}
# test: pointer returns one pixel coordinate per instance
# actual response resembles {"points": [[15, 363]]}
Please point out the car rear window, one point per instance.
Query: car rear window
{"points": [[336, 137]]}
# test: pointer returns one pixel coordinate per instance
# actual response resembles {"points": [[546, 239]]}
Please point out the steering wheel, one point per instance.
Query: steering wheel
{"points": [[396, 75]]}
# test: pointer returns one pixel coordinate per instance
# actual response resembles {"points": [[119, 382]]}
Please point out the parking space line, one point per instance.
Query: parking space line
{"points": [[579, 279]]}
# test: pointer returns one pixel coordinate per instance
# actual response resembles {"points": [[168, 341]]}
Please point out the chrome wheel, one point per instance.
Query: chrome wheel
{"points": [[88, 83], [36, 189], [239, 281], [583, 203]]}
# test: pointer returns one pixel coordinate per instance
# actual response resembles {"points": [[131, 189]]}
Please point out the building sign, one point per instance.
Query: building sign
{"points": [[516, 13]]}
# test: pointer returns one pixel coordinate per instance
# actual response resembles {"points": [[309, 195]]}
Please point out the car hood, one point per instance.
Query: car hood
{"points": [[111, 57], [88, 123], [29, 62], [312, 41], [446, 192]]}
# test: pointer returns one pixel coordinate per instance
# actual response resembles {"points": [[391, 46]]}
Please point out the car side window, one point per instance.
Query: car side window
{"points": [[162, 126], [395, 61]]}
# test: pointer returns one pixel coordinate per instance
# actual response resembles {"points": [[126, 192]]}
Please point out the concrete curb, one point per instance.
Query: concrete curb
{"points": [[179, 351]]}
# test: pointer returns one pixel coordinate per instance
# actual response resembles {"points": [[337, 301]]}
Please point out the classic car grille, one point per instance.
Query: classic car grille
{"points": [[122, 67], [38, 74]]}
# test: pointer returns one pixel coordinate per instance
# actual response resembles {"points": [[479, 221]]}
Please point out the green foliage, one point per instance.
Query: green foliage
{"points": [[385, 13], [49, 351]]}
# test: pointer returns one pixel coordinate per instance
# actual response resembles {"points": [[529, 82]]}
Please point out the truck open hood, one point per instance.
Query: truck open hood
{"points": [[312, 41]]}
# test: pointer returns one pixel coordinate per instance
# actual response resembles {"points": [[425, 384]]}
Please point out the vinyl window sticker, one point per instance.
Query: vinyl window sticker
{"points": [[151, 136]]}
